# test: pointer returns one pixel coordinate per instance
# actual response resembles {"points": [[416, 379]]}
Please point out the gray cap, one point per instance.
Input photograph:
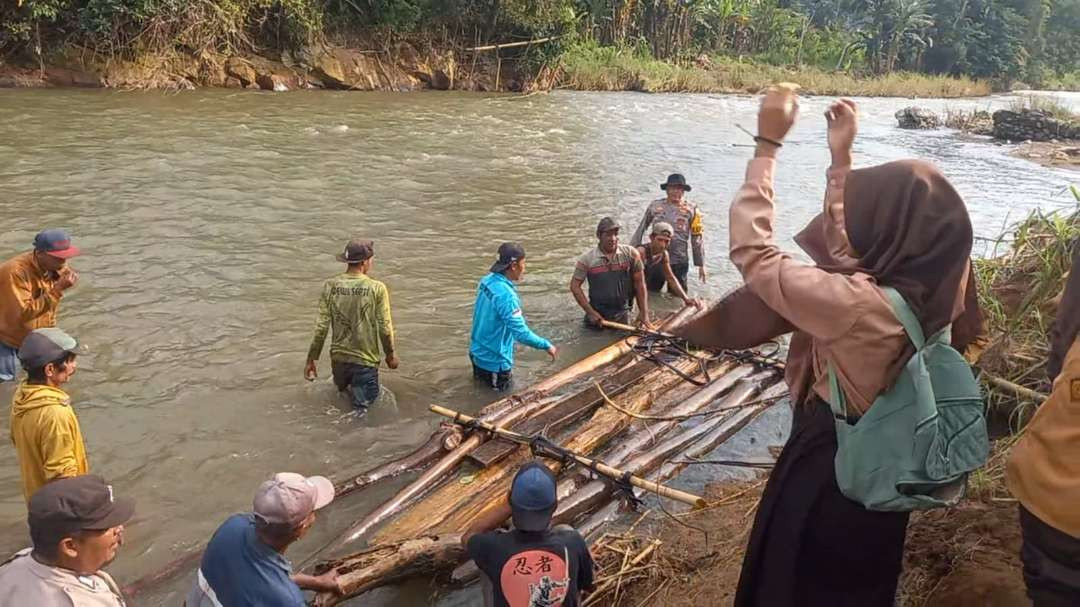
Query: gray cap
{"points": [[289, 498], [356, 251], [606, 224], [43, 346], [663, 227]]}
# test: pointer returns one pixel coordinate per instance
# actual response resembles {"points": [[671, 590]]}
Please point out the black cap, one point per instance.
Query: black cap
{"points": [[357, 251], [509, 252], [675, 179], [606, 224], [69, 505], [533, 497], [43, 346]]}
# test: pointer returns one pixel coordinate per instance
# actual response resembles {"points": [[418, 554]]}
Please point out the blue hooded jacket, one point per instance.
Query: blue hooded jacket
{"points": [[497, 323]]}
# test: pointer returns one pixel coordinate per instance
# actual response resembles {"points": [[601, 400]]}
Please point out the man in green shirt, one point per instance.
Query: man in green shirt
{"points": [[357, 308]]}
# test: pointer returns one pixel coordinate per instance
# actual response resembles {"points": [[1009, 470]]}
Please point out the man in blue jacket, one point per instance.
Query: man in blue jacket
{"points": [[498, 321]]}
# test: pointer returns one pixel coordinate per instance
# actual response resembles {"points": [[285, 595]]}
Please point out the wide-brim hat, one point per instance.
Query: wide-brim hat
{"points": [[676, 179]]}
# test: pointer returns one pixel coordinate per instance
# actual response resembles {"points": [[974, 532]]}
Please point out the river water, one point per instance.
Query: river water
{"points": [[209, 219]]}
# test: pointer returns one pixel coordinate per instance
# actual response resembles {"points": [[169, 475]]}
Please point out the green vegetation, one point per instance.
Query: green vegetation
{"points": [[608, 43], [1049, 105], [588, 66]]}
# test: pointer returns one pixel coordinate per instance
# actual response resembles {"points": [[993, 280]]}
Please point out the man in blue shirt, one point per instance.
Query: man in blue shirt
{"points": [[244, 564], [498, 321]]}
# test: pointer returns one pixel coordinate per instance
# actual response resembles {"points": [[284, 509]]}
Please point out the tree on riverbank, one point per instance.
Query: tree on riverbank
{"points": [[1004, 40]]}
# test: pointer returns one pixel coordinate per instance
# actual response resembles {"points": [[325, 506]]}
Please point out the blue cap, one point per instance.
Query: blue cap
{"points": [[533, 497], [56, 243]]}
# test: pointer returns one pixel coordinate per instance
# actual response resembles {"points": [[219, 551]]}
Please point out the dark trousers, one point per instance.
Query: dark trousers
{"points": [[496, 380], [655, 278], [359, 382], [1051, 561]]}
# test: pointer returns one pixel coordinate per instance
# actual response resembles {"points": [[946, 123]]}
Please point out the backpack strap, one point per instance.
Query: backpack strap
{"points": [[903, 313]]}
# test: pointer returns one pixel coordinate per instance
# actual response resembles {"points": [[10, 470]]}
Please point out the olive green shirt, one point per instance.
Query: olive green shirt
{"points": [[357, 308]]}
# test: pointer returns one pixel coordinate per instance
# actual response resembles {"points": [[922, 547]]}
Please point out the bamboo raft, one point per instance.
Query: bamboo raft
{"points": [[640, 405]]}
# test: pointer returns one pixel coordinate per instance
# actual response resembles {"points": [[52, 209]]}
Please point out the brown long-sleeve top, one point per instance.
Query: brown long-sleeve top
{"points": [[843, 319], [27, 301]]}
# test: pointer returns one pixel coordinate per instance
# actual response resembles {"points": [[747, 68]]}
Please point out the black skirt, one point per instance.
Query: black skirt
{"points": [[810, 545]]}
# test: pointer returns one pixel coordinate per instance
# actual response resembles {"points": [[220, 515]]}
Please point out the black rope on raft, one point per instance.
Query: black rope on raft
{"points": [[475, 425], [660, 348], [623, 485]]}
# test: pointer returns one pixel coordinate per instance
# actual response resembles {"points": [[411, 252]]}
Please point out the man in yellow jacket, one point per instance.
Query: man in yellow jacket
{"points": [[31, 286], [44, 428]]}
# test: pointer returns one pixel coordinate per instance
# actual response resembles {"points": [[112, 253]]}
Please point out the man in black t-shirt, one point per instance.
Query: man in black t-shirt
{"points": [[533, 564]]}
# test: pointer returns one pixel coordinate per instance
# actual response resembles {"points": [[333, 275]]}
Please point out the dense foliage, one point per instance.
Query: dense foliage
{"points": [[1033, 40]]}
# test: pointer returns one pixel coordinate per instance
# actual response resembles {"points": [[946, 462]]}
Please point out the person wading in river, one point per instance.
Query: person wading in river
{"points": [[77, 527], [688, 232], [898, 225], [31, 286], [244, 564], [498, 320], [357, 308], [615, 274], [44, 429], [1043, 472], [656, 259], [533, 564]]}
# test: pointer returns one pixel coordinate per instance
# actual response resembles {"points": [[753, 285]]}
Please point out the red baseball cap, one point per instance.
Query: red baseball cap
{"points": [[56, 243]]}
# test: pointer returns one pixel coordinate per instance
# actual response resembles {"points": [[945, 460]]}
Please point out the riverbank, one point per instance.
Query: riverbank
{"points": [[410, 67]]}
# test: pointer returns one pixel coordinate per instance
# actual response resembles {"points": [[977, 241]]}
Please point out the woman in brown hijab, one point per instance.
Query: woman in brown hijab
{"points": [[899, 224]]}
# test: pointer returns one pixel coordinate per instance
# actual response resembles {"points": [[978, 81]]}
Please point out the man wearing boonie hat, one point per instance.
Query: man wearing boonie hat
{"points": [[244, 564], [533, 563], [356, 308], [77, 527], [31, 285], [685, 218], [498, 320], [658, 263], [46, 433], [615, 275]]}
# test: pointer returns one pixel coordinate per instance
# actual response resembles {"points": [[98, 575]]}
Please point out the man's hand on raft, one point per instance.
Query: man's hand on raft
{"points": [[697, 302], [643, 323], [310, 373], [553, 352]]}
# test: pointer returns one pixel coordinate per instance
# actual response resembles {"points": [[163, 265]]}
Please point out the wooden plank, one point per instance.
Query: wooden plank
{"points": [[565, 412]]}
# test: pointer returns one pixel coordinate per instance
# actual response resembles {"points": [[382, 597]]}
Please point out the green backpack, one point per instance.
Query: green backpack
{"points": [[914, 447]]}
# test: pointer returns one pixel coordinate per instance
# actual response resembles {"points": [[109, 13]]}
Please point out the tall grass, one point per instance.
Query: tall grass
{"points": [[593, 67], [1020, 284], [1044, 103]]}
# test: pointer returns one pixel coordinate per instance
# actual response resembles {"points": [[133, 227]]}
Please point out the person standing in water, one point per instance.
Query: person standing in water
{"points": [[31, 286], [498, 321], [357, 308], [615, 274], [658, 264], [688, 233]]}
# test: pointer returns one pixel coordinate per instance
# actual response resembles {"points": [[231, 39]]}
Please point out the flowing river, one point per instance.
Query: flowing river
{"points": [[209, 220]]}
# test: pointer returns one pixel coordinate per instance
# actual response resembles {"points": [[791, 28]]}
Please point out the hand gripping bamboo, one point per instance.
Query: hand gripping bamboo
{"points": [[600, 467]]}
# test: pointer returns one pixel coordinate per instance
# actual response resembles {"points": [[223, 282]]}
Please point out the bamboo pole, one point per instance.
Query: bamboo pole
{"points": [[602, 468], [495, 47], [1028, 393]]}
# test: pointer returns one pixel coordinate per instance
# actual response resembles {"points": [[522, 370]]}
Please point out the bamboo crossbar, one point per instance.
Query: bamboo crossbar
{"points": [[600, 467]]}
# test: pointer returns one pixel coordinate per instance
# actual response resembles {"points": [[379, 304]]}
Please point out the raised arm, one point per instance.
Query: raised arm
{"points": [[639, 234]]}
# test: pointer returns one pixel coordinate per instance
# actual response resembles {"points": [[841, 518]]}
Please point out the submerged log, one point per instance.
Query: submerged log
{"points": [[446, 438], [450, 461]]}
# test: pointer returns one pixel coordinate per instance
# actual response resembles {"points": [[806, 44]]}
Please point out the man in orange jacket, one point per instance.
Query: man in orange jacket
{"points": [[31, 286]]}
